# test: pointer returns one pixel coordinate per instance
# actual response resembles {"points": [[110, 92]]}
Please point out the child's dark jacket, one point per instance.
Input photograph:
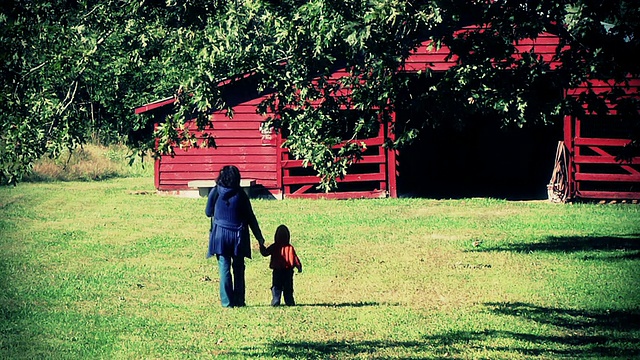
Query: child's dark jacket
{"points": [[283, 255]]}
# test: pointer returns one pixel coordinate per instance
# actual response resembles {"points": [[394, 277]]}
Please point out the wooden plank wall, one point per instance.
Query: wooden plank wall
{"points": [[436, 59], [239, 141]]}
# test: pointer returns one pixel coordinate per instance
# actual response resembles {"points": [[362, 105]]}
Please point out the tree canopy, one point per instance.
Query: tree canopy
{"points": [[76, 69]]}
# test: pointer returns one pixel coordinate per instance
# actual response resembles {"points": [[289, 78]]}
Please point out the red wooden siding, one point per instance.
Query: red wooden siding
{"points": [[427, 56], [594, 142], [238, 141], [602, 88], [260, 157], [368, 177]]}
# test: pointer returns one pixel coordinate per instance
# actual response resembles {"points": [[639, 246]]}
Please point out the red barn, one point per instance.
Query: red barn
{"points": [[260, 157]]}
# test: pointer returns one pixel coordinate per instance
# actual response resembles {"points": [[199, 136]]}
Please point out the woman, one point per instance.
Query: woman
{"points": [[231, 217]]}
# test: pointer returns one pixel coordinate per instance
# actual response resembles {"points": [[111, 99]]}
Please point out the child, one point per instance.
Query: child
{"points": [[283, 261]]}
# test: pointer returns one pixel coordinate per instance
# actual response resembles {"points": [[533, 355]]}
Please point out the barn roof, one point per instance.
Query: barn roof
{"points": [[154, 105]]}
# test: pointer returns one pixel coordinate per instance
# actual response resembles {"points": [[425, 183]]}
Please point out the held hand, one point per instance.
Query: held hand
{"points": [[299, 269], [263, 250]]}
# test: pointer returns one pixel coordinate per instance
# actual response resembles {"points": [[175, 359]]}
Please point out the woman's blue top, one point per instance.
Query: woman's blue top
{"points": [[232, 216]]}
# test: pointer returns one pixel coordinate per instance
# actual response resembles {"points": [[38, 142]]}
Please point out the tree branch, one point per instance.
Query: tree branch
{"points": [[69, 98], [91, 11], [34, 69]]}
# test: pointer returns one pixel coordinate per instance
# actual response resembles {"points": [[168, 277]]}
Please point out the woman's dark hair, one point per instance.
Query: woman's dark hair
{"points": [[229, 177]]}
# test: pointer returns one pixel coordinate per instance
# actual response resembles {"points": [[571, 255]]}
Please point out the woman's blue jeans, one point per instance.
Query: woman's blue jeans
{"points": [[232, 288]]}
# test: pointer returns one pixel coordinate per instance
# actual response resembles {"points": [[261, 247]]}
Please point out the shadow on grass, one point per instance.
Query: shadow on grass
{"points": [[609, 247], [579, 334], [356, 304], [457, 344], [569, 318], [348, 304]]}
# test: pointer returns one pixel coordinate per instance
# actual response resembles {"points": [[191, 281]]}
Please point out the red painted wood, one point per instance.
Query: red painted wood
{"points": [[224, 150], [538, 49], [414, 67], [233, 134], [231, 142], [156, 173], [195, 167], [371, 159], [278, 146], [629, 87], [262, 183], [427, 56], [219, 160], [626, 91], [229, 125], [607, 177], [211, 175], [374, 194], [156, 164], [596, 83], [582, 159], [391, 154], [168, 187], [371, 142], [242, 112], [542, 39], [302, 180], [611, 110], [437, 57], [182, 185], [628, 195], [580, 141], [302, 189], [240, 142], [383, 183], [626, 167], [568, 143], [155, 105]]}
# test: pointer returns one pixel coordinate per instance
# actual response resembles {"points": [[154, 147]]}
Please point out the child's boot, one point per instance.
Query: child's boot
{"points": [[288, 298], [277, 293]]}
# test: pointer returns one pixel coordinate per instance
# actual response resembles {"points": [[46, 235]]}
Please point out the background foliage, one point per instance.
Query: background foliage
{"points": [[71, 69]]}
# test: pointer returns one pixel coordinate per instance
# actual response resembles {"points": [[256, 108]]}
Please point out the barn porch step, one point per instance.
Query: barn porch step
{"points": [[204, 186]]}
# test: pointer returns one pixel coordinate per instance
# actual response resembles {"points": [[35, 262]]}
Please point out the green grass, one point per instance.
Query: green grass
{"points": [[92, 270]]}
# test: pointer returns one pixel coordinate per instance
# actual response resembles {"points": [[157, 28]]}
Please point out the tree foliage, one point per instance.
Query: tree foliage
{"points": [[76, 68]]}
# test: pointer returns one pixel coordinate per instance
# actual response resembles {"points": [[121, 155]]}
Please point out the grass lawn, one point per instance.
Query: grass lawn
{"points": [[92, 270]]}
